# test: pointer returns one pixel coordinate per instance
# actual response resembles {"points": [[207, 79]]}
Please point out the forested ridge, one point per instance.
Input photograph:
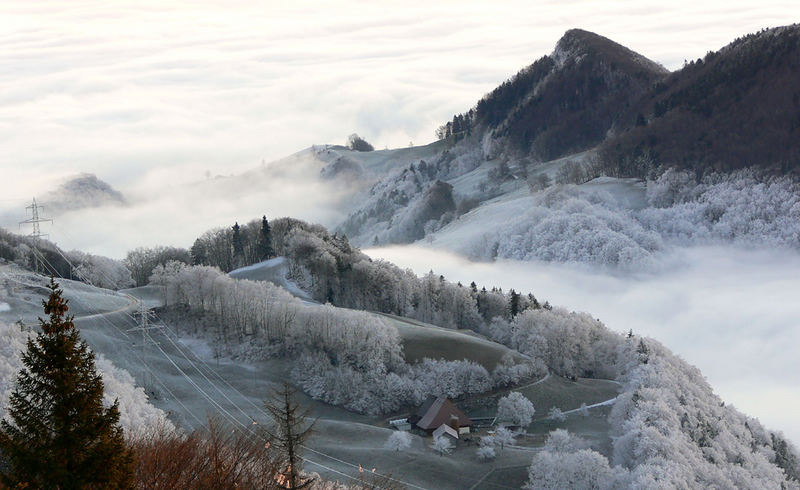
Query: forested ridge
{"points": [[736, 107]]}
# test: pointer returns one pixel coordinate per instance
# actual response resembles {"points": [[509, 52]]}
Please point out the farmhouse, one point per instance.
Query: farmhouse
{"points": [[439, 411]]}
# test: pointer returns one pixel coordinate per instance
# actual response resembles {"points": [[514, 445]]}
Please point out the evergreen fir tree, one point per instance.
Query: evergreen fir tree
{"points": [[61, 436], [265, 240], [513, 303], [534, 302], [238, 246]]}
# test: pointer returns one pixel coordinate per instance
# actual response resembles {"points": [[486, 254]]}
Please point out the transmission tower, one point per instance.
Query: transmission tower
{"points": [[144, 326], [34, 220]]}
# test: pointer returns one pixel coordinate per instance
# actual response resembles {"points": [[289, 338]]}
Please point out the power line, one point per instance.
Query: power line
{"points": [[228, 415], [103, 317]]}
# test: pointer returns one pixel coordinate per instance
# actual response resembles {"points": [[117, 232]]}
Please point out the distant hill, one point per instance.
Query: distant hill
{"points": [[737, 107], [569, 101], [83, 191]]}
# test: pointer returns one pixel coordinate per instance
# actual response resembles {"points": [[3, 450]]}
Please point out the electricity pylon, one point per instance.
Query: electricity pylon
{"points": [[144, 327], [34, 220]]}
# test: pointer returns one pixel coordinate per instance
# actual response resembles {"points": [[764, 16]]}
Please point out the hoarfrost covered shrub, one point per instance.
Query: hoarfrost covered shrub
{"points": [[398, 440], [556, 414], [503, 437], [442, 445], [581, 470], [137, 415], [562, 441], [516, 409], [486, 453]]}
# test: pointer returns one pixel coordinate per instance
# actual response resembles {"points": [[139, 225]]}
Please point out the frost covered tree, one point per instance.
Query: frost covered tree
{"points": [[442, 445], [486, 453], [504, 437], [100, 271], [357, 143], [556, 414], [581, 470], [566, 462], [399, 441], [516, 409], [141, 261], [563, 441], [60, 434]]}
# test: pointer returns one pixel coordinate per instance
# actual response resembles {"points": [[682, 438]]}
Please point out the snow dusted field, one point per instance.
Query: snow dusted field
{"points": [[274, 271]]}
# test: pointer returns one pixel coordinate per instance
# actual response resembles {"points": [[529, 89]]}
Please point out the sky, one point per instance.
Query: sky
{"points": [[150, 94], [733, 313]]}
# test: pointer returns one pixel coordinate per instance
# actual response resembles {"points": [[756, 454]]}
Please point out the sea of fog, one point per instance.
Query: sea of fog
{"points": [[733, 313]]}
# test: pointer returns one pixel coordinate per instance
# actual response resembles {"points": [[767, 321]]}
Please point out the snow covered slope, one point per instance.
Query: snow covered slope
{"points": [[585, 223], [274, 271]]}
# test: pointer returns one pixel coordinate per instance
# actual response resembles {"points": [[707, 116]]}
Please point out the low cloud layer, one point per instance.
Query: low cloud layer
{"points": [[176, 214], [732, 313], [147, 93]]}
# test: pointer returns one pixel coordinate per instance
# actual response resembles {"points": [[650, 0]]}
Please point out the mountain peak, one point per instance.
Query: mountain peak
{"points": [[84, 191], [576, 44]]}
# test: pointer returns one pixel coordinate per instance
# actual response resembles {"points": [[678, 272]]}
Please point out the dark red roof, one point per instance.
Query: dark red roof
{"points": [[437, 411]]}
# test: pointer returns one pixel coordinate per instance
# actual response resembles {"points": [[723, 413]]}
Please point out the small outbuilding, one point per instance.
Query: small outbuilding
{"points": [[400, 424], [445, 429], [439, 411]]}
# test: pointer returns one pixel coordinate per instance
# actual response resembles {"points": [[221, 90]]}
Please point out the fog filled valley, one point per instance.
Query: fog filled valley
{"points": [[728, 311], [586, 281]]}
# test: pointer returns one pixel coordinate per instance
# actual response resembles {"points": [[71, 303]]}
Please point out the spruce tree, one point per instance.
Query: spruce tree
{"points": [[60, 435], [238, 247], [265, 240], [513, 303]]}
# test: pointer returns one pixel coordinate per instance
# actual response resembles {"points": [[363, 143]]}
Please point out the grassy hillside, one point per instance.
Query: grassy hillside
{"points": [[560, 392], [421, 340]]}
